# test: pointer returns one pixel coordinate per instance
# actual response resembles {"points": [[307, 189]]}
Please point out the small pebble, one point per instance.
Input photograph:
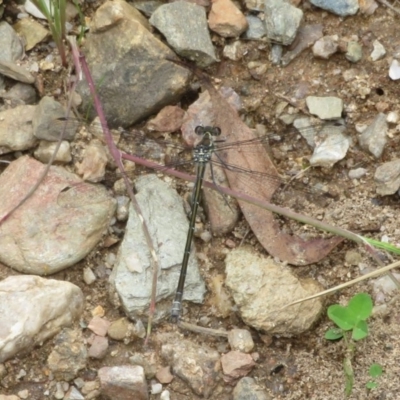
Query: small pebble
{"points": [[206, 236], [165, 395], [394, 70], [378, 52], [156, 388], [140, 330], [392, 117], [325, 47], [119, 329], [240, 339], [88, 276], [357, 173], [23, 394], [110, 260], [164, 375], [98, 311], [354, 52], [352, 257], [79, 382], [59, 394], [20, 374]]}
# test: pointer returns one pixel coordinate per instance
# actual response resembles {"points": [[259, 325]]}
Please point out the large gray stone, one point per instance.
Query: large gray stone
{"points": [[129, 66], [132, 276], [190, 40]]}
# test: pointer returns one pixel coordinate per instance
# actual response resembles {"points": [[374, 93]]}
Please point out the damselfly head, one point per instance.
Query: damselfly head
{"points": [[210, 130]]}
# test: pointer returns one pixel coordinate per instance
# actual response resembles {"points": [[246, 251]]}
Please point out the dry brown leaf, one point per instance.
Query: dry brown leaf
{"points": [[286, 247]]}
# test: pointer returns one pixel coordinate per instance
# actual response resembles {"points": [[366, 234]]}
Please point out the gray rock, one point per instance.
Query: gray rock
{"points": [[204, 363], [354, 52], [306, 37], [33, 10], [17, 120], [33, 309], [281, 21], [73, 394], [68, 356], [374, 138], [326, 46], [129, 67], [46, 121], [20, 93], [385, 284], [387, 178], [338, 7], [308, 129], [256, 28], [60, 223], [192, 40], [276, 54], [357, 173], [147, 7], [253, 282], [248, 389], [11, 48], [325, 107], [331, 146], [15, 72], [378, 52], [123, 382], [132, 275]]}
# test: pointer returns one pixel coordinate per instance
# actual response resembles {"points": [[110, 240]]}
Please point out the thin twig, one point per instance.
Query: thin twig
{"points": [[388, 5], [116, 154], [202, 330], [372, 274]]}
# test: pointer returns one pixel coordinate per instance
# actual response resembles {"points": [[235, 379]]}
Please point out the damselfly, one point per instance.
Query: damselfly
{"points": [[202, 154]]}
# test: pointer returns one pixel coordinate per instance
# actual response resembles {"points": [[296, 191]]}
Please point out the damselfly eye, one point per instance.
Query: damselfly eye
{"points": [[216, 131], [200, 130]]}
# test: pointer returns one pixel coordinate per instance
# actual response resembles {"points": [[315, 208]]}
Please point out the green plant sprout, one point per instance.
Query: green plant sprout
{"points": [[351, 326], [54, 11], [375, 371]]}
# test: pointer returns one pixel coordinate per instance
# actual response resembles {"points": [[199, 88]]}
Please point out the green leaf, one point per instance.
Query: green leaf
{"points": [[333, 334], [341, 317], [361, 306], [375, 370], [371, 385], [360, 330]]}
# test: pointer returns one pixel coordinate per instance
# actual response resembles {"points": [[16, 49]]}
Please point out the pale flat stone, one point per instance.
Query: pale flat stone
{"points": [[33, 309]]}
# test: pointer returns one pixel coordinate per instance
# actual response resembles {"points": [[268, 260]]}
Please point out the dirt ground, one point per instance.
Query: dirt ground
{"points": [[308, 366]]}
